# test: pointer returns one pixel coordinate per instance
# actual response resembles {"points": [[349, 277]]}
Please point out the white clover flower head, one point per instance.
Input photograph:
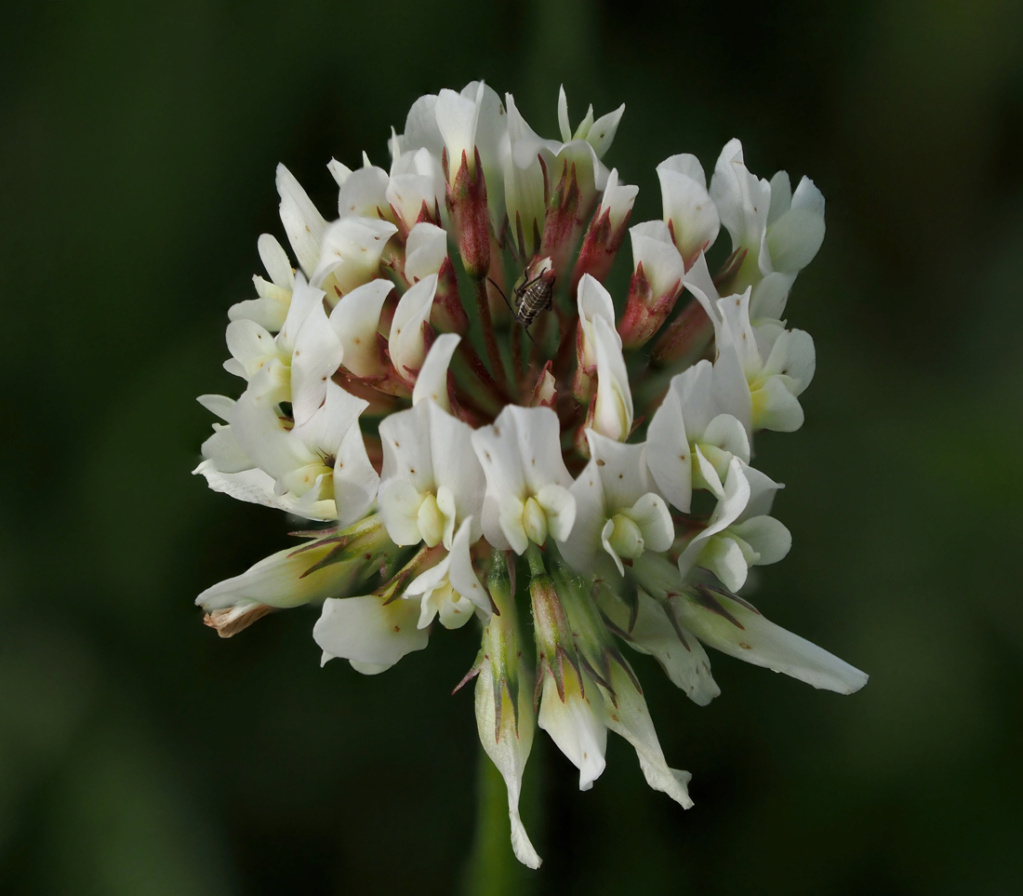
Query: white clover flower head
{"points": [[481, 432]]}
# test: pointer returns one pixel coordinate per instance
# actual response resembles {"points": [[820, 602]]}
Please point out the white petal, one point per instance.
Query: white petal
{"points": [[622, 471], [275, 261], [684, 662], [367, 631], [283, 580], [406, 341], [399, 503], [723, 557], [559, 506], [794, 240], [455, 465], [355, 320], [324, 430], [583, 542], [767, 536], [613, 410], [759, 641], [601, 133], [462, 575], [509, 750], [318, 354], [355, 479], [425, 251], [687, 204], [652, 247], [432, 382], [667, 452], [630, 718], [575, 726], [303, 224], [654, 520]]}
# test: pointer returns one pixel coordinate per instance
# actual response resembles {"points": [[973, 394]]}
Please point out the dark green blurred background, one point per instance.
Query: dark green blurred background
{"points": [[141, 755]]}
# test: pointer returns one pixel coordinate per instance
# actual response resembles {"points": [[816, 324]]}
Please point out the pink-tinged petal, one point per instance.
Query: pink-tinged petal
{"points": [[303, 224], [576, 726], [372, 635], [432, 382], [406, 343], [745, 634]]}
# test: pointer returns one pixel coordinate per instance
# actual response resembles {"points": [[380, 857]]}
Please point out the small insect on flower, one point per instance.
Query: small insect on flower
{"points": [[534, 295]]}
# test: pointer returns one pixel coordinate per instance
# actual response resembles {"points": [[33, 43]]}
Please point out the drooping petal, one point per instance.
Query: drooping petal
{"points": [[576, 726], [284, 580], [371, 634], [749, 636], [650, 631], [628, 716]]}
